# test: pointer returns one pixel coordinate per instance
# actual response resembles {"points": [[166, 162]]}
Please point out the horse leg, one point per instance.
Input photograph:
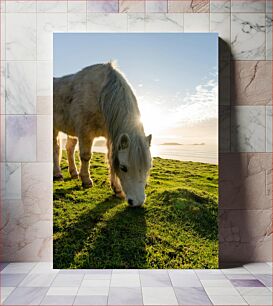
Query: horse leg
{"points": [[85, 144], [70, 149], [115, 183], [57, 156], [116, 186]]}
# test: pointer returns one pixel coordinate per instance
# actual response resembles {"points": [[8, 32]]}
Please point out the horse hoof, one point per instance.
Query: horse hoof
{"points": [[58, 177], [120, 195], [86, 185], [74, 176]]}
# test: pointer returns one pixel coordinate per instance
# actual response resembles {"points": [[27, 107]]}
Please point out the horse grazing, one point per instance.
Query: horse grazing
{"points": [[98, 101]]}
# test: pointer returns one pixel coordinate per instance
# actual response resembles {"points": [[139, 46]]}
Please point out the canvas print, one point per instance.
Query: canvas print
{"points": [[135, 150]]}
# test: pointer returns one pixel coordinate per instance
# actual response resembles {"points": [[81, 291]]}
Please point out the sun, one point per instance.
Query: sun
{"points": [[153, 119]]}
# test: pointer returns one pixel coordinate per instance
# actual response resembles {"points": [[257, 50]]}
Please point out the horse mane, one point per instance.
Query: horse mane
{"points": [[119, 107]]}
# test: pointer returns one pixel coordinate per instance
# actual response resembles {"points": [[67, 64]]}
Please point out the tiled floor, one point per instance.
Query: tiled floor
{"points": [[39, 284]]}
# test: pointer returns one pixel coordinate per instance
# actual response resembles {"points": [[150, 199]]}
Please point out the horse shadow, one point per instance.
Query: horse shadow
{"points": [[121, 242], [111, 235]]}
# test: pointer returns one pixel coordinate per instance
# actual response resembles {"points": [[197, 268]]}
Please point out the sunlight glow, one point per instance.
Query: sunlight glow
{"points": [[160, 118], [153, 118]]}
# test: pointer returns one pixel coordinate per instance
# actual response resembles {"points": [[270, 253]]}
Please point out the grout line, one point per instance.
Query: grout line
{"points": [[78, 288], [1, 118], [141, 288], [266, 132], [66, 25], [36, 89], [171, 285], [127, 27], [109, 287], [265, 36], [229, 87], [210, 27], [5, 91]]}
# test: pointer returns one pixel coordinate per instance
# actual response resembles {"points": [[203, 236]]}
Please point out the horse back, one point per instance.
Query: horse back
{"points": [[76, 101]]}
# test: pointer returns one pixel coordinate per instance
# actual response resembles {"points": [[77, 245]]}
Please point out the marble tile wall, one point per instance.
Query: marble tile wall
{"points": [[245, 111]]}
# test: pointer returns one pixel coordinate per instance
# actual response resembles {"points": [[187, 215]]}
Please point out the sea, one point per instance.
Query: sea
{"points": [[203, 153]]}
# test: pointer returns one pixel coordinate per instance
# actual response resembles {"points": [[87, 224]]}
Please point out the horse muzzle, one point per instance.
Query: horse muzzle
{"points": [[135, 203]]}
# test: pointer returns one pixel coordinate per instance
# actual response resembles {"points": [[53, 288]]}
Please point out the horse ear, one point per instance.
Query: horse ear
{"points": [[123, 142], [149, 139]]}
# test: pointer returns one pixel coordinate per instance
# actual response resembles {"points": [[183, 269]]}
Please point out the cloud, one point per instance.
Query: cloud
{"points": [[198, 106], [180, 110]]}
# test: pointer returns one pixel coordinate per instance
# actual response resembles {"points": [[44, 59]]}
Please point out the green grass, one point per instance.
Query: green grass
{"points": [[176, 228]]}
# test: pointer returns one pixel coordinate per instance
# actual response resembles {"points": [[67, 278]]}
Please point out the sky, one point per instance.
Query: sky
{"points": [[174, 76]]}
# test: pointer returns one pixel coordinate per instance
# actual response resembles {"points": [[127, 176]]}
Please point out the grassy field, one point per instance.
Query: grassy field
{"points": [[176, 228]]}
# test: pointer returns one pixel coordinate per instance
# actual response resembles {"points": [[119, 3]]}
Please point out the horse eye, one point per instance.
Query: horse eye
{"points": [[123, 168]]}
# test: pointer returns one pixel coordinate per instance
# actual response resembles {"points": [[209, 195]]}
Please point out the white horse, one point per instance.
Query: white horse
{"points": [[98, 101]]}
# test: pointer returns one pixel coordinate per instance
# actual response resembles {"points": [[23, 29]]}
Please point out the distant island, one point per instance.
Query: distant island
{"points": [[102, 143], [171, 144], [181, 144]]}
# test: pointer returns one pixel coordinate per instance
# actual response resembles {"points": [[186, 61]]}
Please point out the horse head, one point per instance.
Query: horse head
{"points": [[133, 162]]}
